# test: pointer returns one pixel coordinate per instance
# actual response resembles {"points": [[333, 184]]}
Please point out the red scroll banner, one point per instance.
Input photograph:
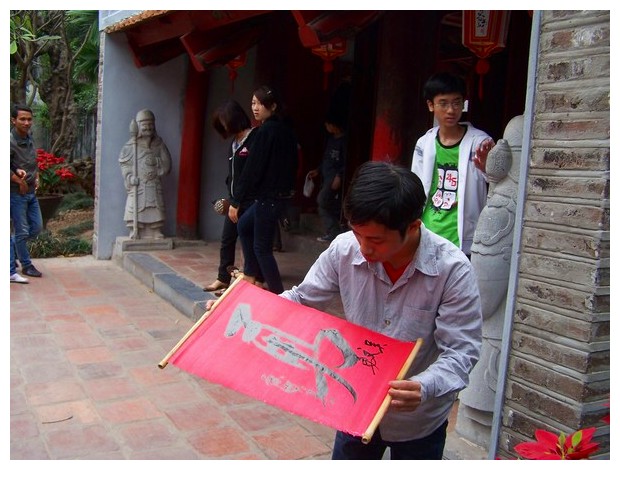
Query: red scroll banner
{"points": [[295, 358]]}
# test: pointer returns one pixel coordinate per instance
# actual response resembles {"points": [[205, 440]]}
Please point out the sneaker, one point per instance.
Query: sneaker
{"points": [[324, 239], [31, 271], [17, 278]]}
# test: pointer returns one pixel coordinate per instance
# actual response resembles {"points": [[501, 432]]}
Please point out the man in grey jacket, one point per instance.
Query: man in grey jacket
{"points": [[25, 210]]}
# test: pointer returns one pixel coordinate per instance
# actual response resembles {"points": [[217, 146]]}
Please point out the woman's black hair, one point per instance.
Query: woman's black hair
{"points": [[268, 97], [387, 194], [230, 118]]}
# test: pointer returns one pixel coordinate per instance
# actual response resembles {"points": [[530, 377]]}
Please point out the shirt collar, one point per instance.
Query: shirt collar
{"points": [[425, 258], [19, 139]]}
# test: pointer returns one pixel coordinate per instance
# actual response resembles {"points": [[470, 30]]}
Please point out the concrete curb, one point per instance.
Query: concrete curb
{"points": [[187, 297]]}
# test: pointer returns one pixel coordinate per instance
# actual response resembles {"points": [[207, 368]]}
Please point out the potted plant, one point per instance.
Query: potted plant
{"points": [[55, 180]]}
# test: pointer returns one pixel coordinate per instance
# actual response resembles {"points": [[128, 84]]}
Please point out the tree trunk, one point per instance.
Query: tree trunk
{"points": [[57, 93]]}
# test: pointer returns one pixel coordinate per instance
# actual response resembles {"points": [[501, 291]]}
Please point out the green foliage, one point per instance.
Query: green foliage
{"points": [[77, 229], [41, 115], [86, 97], [67, 241], [76, 201], [46, 246], [21, 29], [82, 29], [54, 54]]}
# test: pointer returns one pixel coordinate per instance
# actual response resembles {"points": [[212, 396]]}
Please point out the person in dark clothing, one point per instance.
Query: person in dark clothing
{"points": [[25, 210], [331, 170], [230, 120], [269, 179]]}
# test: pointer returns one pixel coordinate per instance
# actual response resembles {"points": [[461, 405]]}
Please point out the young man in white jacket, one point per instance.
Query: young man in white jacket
{"points": [[450, 159]]}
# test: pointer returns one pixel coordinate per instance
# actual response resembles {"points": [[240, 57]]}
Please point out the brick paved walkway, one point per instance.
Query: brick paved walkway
{"points": [[86, 339]]}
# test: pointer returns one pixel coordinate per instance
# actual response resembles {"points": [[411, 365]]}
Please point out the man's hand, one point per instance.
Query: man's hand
{"points": [[20, 178], [406, 395]]}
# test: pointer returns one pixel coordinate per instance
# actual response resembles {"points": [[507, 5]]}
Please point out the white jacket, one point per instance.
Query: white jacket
{"points": [[472, 188]]}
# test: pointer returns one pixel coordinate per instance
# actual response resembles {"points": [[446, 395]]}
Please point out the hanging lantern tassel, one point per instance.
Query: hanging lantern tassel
{"points": [[328, 67], [328, 52], [233, 65], [232, 75], [482, 68], [484, 33]]}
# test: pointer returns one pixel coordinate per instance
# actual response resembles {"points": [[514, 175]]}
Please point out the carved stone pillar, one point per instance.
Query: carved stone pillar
{"points": [[490, 255]]}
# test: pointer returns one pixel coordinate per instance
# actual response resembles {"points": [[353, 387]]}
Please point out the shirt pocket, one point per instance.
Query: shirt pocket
{"points": [[417, 323]]}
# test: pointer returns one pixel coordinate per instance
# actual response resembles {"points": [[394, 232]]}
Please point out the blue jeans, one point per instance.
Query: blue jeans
{"points": [[348, 447], [27, 224], [256, 227], [13, 266]]}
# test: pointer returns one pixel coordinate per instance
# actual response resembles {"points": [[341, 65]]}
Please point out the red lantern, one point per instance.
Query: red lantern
{"points": [[484, 33], [233, 65], [329, 52]]}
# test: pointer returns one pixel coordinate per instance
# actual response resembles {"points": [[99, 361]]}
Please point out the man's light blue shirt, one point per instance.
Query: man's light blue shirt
{"points": [[436, 299]]}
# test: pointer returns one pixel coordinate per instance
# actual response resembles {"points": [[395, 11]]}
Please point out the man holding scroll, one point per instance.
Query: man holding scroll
{"points": [[398, 278]]}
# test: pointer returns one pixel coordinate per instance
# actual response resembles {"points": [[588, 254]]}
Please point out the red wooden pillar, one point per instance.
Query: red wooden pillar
{"points": [[188, 197], [401, 114], [386, 142]]}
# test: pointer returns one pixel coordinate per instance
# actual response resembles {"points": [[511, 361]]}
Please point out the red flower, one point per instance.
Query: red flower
{"points": [[580, 445], [576, 446], [55, 176], [546, 448]]}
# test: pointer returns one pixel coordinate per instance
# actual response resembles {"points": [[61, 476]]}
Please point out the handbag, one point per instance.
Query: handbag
{"points": [[308, 186], [221, 206]]}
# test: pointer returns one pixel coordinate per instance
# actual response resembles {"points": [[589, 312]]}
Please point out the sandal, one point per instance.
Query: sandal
{"points": [[219, 293], [217, 285]]}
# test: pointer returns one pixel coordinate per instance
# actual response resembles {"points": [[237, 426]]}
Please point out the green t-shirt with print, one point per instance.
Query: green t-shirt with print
{"points": [[441, 212]]}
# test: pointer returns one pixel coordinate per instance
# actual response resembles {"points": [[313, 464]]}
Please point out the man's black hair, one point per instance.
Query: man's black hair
{"points": [[387, 194], [18, 107], [443, 83]]}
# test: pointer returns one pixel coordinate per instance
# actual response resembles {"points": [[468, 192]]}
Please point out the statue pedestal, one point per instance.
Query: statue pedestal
{"points": [[126, 244]]}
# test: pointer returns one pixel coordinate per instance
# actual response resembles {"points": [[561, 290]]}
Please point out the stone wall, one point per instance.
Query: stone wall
{"points": [[559, 372]]}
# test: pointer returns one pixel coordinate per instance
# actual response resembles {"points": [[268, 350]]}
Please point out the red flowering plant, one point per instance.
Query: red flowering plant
{"points": [[577, 446], [548, 446], [55, 175]]}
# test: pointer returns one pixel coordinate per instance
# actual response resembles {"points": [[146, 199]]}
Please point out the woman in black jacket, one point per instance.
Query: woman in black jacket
{"points": [[230, 120], [269, 179]]}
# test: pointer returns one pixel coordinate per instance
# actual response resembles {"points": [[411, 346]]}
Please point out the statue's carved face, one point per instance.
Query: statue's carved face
{"points": [[147, 128]]}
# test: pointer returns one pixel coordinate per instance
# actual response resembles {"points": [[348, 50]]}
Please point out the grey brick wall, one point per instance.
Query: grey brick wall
{"points": [[558, 377]]}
